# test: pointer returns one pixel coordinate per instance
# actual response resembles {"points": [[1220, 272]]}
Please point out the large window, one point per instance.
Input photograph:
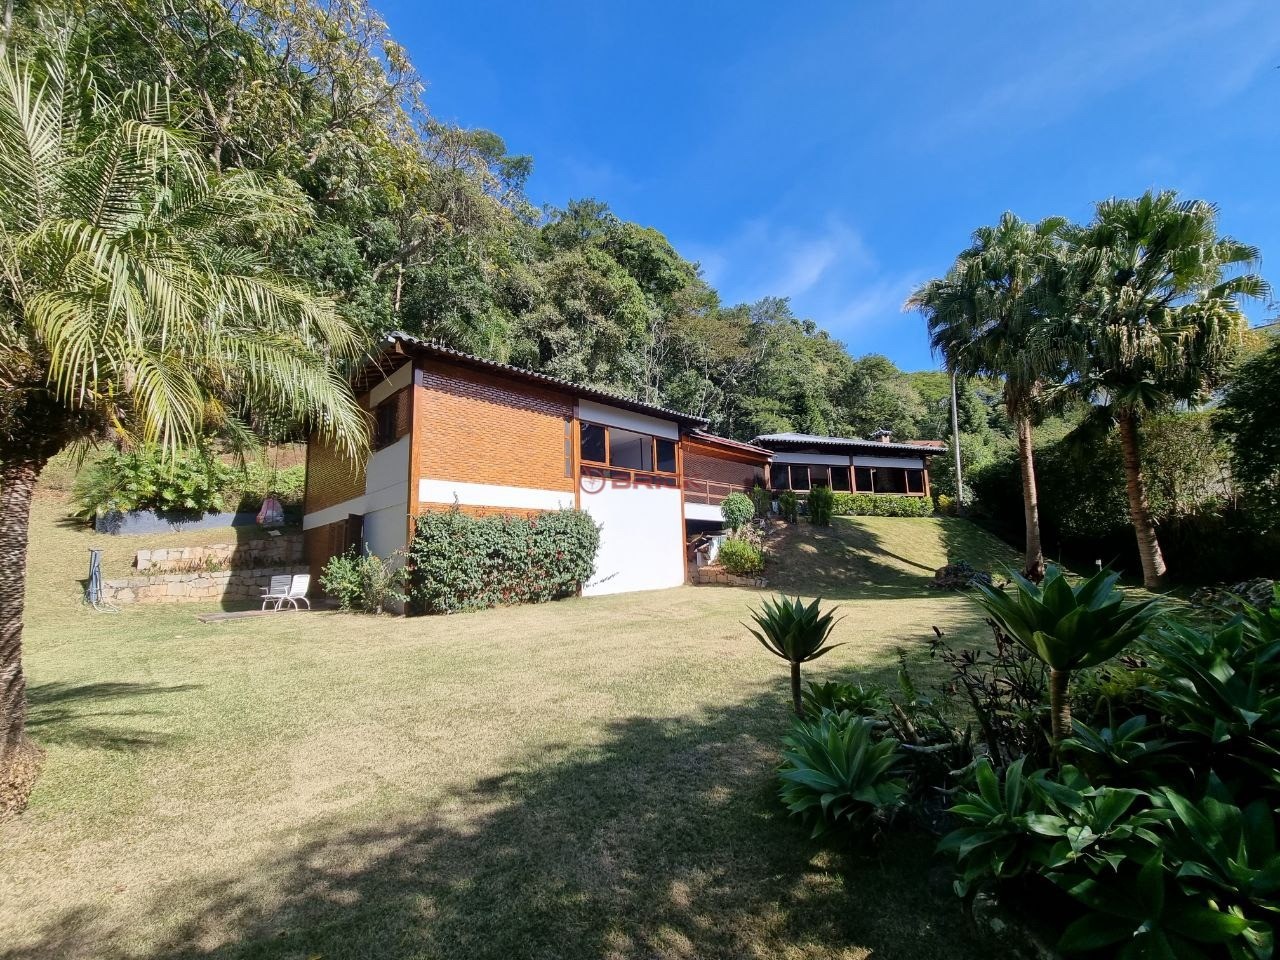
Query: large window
{"points": [[625, 449], [666, 455], [592, 443], [804, 477]]}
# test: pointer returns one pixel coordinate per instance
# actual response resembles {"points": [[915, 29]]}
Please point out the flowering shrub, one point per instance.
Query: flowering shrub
{"points": [[460, 562]]}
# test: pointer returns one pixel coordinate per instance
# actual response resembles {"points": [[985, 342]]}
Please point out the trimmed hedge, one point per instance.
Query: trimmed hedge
{"points": [[882, 505], [460, 562]]}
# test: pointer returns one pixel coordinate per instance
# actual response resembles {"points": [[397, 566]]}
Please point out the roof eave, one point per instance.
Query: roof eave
{"points": [[603, 396]]}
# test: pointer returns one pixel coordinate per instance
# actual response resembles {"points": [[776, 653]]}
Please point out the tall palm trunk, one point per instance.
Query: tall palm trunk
{"points": [[797, 702], [19, 757], [1059, 704], [1034, 561], [1144, 525]]}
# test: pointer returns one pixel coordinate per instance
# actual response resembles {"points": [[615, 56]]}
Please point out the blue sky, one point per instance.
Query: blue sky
{"points": [[839, 153]]}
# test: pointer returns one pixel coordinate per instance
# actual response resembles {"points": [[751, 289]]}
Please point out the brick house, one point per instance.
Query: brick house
{"points": [[453, 428]]}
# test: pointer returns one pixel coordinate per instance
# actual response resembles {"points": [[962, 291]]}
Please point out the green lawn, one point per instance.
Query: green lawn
{"points": [[591, 778]]}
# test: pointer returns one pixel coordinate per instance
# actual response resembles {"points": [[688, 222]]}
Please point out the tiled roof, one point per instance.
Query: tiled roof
{"points": [[811, 439], [725, 441], [604, 396]]}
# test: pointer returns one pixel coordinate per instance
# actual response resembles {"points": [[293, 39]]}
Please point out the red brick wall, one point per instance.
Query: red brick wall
{"points": [[330, 478], [700, 464], [477, 427]]}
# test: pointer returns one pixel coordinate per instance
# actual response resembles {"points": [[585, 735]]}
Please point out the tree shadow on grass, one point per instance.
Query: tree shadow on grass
{"points": [[90, 714], [665, 840], [846, 561]]}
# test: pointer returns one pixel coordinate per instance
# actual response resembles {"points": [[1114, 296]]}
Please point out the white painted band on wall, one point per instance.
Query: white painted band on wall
{"points": [[493, 495], [821, 459], [703, 511], [911, 463], [339, 511], [594, 412], [402, 377]]}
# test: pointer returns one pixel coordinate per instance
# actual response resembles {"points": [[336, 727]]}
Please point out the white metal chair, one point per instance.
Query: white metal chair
{"points": [[277, 591], [298, 587]]}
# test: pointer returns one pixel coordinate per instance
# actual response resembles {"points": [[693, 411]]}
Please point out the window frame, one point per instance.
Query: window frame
{"points": [[608, 464]]}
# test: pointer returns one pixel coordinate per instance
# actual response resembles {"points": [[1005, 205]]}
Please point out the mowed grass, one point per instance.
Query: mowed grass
{"points": [[591, 778]]}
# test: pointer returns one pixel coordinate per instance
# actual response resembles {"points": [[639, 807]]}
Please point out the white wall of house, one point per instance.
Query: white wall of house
{"points": [[641, 538], [703, 511], [384, 503], [493, 495]]}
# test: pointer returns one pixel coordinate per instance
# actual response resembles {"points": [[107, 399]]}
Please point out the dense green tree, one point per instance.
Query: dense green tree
{"points": [[1250, 419], [984, 320], [1153, 321], [135, 302]]}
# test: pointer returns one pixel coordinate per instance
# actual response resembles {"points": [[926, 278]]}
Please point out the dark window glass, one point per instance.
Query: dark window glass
{"points": [[799, 478], [631, 450], [591, 442], [778, 477], [915, 481], [862, 479], [890, 480], [384, 423], [839, 478], [818, 476], [666, 455]]}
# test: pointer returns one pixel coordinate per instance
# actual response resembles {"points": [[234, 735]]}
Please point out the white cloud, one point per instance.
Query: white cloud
{"points": [[1058, 75], [830, 275]]}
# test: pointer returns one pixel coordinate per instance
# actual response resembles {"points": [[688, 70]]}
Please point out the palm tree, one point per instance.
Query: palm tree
{"points": [[983, 319], [1153, 319], [135, 304]]}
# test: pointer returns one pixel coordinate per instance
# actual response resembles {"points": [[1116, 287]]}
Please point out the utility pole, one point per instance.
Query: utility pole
{"points": [[955, 445]]}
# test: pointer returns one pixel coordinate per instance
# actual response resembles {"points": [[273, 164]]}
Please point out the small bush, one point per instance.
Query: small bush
{"points": [[788, 506], [762, 499], [947, 505], [821, 505], [737, 509], [740, 558], [881, 505], [191, 481], [460, 562], [364, 582], [840, 697], [836, 772]]}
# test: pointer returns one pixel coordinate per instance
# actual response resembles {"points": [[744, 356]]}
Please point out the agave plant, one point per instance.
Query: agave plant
{"points": [[796, 633], [836, 771], [1222, 688], [1068, 627], [838, 696]]}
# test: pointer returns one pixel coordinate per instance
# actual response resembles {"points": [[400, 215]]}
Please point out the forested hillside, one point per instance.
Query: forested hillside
{"points": [[426, 227]]}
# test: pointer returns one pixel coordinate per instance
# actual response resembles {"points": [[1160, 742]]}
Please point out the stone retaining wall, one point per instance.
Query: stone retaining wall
{"points": [[202, 587], [717, 574], [282, 551]]}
